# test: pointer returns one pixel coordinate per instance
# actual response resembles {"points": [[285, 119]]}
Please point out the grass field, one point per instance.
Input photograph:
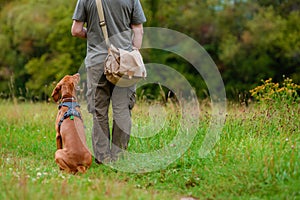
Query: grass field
{"points": [[257, 157]]}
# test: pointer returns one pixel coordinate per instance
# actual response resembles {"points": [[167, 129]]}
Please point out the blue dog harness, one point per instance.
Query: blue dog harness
{"points": [[71, 112]]}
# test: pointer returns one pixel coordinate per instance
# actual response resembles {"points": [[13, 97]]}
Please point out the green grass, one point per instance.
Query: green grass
{"points": [[257, 157]]}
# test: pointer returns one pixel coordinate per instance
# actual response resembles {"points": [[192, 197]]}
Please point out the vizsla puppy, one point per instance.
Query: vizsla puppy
{"points": [[72, 153]]}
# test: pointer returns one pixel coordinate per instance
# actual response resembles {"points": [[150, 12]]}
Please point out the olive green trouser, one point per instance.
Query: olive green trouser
{"points": [[99, 95]]}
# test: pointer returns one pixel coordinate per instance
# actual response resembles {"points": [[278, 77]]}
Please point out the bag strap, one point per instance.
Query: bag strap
{"points": [[102, 21]]}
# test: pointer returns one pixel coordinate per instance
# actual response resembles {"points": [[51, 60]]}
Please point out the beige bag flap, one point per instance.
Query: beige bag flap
{"points": [[132, 63]]}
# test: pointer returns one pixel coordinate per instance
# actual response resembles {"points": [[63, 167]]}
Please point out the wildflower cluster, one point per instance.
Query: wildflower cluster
{"points": [[269, 91]]}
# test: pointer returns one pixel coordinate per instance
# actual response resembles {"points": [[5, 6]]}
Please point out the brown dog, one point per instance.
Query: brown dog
{"points": [[72, 153]]}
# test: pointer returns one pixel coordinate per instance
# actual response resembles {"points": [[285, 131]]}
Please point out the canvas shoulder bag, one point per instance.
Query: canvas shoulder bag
{"points": [[122, 68]]}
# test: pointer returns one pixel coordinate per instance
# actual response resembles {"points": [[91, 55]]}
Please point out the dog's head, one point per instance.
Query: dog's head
{"points": [[66, 88]]}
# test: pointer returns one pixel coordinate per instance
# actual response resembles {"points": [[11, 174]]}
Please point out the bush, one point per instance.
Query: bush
{"points": [[274, 92]]}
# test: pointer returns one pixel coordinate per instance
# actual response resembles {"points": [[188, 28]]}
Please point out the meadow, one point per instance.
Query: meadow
{"points": [[256, 157]]}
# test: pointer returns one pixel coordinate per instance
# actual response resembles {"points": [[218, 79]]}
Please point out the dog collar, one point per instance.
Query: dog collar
{"points": [[68, 99]]}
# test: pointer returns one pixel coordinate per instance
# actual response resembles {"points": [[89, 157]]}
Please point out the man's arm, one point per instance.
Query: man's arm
{"points": [[137, 35], [78, 29]]}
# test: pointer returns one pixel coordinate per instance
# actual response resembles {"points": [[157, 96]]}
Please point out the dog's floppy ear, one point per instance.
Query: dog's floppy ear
{"points": [[56, 92], [76, 78]]}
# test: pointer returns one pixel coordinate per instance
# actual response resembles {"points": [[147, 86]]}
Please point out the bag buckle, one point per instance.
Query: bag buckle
{"points": [[102, 23]]}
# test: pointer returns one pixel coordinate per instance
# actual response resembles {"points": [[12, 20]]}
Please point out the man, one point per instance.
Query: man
{"points": [[124, 21]]}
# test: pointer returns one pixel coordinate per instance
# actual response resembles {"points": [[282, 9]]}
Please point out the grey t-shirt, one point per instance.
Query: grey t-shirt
{"points": [[119, 15]]}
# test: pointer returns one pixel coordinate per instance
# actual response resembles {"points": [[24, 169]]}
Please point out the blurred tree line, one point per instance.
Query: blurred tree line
{"points": [[249, 40]]}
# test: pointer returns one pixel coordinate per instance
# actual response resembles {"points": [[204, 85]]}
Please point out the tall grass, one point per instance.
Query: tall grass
{"points": [[28, 170], [257, 157]]}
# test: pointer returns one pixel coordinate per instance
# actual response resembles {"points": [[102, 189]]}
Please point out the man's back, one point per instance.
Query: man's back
{"points": [[119, 15]]}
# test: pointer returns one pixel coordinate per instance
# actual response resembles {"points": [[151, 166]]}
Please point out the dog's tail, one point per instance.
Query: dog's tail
{"points": [[82, 169]]}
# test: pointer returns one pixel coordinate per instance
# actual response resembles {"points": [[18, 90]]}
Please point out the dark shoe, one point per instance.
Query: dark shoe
{"points": [[98, 162], [104, 161]]}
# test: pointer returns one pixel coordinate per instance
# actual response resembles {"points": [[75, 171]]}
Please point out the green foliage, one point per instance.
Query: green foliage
{"points": [[267, 46], [37, 45], [248, 40]]}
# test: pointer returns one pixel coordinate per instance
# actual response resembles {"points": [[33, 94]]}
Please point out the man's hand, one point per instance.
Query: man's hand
{"points": [[78, 30]]}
